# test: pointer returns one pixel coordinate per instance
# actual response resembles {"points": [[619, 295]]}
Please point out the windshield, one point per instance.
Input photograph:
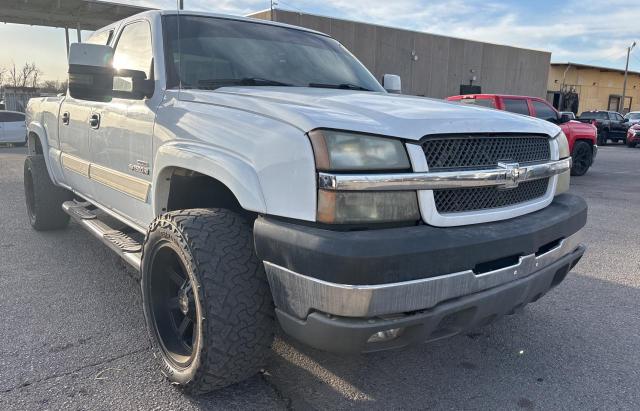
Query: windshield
{"points": [[215, 52], [633, 116]]}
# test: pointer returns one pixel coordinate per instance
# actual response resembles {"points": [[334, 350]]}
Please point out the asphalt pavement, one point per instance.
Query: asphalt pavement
{"points": [[72, 333]]}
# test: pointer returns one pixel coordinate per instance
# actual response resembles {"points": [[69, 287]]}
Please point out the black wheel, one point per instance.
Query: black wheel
{"points": [[206, 299], [630, 144], [582, 158], [603, 135], [44, 199]]}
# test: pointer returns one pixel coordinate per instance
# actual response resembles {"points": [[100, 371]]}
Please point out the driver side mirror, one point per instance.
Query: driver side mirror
{"points": [[564, 118], [90, 71], [92, 76], [392, 83], [625, 120]]}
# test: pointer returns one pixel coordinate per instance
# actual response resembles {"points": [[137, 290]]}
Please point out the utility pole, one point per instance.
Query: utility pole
{"points": [[273, 3], [624, 83]]}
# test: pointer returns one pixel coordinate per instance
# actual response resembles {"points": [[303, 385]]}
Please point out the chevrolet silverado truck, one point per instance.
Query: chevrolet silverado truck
{"points": [[581, 137], [256, 172]]}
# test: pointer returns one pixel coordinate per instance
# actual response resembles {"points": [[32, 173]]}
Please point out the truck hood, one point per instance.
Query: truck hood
{"points": [[407, 117]]}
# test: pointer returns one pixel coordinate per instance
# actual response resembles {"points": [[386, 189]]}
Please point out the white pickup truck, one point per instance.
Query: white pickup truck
{"points": [[255, 171]]}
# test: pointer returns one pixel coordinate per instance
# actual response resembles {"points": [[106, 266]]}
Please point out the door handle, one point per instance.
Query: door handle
{"points": [[65, 118], [94, 121]]}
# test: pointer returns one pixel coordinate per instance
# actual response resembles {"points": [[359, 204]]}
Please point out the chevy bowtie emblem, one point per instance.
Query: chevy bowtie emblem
{"points": [[513, 174]]}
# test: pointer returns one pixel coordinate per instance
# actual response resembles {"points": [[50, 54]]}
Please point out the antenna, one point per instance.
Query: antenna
{"points": [[180, 7]]}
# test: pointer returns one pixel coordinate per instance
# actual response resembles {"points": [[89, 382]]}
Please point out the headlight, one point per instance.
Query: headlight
{"points": [[343, 151], [338, 151], [563, 145], [562, 184]]}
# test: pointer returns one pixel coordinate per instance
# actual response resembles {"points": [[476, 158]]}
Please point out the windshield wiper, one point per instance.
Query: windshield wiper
{"points": [[245, 81], [345, 86]]}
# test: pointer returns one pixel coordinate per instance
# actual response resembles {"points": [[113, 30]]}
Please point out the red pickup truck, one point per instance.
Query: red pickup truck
{"points": [[581, 136]]}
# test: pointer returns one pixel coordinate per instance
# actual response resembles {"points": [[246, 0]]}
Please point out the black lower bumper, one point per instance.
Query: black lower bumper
{"points": [[410, 253], [351, 335]]}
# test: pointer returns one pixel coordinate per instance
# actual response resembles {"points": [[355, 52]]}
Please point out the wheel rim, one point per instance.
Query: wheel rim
{"points": [[29, 195], [581, 159], [173, 306]]}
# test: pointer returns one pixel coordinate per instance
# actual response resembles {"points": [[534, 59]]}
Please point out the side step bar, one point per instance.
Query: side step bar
{"points": [[126, 247]]}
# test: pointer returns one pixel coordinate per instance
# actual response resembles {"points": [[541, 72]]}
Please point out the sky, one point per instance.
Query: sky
{"points": [[595, 32]]}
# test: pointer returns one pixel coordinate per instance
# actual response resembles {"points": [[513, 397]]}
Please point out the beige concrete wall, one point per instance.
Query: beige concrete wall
{"points": [[432, 65], [594, 86]]}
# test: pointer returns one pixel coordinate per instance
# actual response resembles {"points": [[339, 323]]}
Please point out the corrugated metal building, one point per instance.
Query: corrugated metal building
{"points": [[432, 65]]}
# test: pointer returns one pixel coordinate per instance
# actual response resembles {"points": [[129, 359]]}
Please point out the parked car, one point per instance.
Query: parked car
{"points": [[611, 125], [633, 135], [569, 114], [287, 183], [12, 128], [633, 117], [581, 137]]}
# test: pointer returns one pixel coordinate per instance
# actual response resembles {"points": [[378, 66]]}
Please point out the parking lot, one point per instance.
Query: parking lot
{"points": [[72, 333]]}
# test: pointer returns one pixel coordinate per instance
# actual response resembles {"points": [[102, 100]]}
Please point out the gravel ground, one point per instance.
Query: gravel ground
{"points": [[73, 335]]}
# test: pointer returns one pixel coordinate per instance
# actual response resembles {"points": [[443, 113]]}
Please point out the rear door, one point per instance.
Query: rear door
{"points": [[516, 105], [73, 126], [617, 126]]}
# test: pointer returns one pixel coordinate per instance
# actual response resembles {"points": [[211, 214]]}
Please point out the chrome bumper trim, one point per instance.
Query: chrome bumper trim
{"points": [[507, 176], [299, 294]]}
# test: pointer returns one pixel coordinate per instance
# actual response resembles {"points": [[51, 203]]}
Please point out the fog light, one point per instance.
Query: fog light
{"points": [[386, 335], [354, 207]]}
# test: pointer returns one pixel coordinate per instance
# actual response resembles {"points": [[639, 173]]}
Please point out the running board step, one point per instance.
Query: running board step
{"points": [[124, 245]]}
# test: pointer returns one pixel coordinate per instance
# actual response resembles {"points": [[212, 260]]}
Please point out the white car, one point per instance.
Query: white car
{"points": [[259, 172], [13, 129], [633, 117]]}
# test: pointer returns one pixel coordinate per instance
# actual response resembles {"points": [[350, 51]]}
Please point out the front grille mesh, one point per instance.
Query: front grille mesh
{"points": [[482, 198], [456, 152]]}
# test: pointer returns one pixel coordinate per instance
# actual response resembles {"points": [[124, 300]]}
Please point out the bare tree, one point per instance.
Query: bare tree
{"points": [[35, 76], [27, 76], [3, 72], [13, 76]]}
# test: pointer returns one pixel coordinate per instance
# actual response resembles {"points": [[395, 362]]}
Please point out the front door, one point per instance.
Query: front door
{"points": [[121, 137], [617, 126]]}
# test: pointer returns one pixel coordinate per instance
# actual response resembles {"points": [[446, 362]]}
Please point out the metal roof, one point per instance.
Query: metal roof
{"points": [[83, 14], [589, 66]]}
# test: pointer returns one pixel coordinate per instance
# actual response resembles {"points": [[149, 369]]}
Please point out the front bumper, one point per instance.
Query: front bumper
{"points": [[352, 335], [328, 283]]}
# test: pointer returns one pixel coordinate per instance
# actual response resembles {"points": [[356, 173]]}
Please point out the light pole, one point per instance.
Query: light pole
{"points": [[624, 82]]}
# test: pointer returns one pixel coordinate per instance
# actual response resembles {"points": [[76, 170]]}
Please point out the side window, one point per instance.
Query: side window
{"points": [[103, 37], [485, 102], [13, 117], [602, 116], [133, 50], [544, 112], [615, 116], [516, 105]]}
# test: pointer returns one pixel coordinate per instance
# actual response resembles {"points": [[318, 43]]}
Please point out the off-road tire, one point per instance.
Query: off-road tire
{"points": [[603, 136], [43, 198], [582, 158], [235, 308]]}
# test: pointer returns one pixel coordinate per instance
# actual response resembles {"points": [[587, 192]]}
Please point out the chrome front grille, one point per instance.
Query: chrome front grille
{"points": [[478, 152], [484, 198]]}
